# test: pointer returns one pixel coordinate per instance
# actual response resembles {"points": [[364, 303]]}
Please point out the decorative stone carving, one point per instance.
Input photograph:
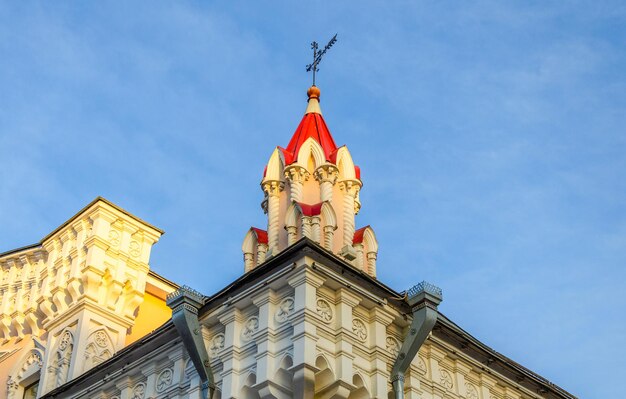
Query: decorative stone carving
{"points": [[324, 310], [65, 340], [100, 339], [471, 391], [249, 328], [134, 249], [393, 346], [217, 344], [421, 364], [114, 238], [446, 379], [139, 391], [164, 380], [359, 329], [285, 308], [99, 348], [59, 364]]}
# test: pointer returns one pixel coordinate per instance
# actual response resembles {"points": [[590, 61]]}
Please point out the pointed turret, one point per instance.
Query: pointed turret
{"points": [[312, 190]]}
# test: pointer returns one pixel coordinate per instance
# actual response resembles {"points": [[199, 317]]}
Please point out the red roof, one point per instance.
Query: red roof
{"points": [[261, 235], [358, 235], [312, 125], [310, 210]]}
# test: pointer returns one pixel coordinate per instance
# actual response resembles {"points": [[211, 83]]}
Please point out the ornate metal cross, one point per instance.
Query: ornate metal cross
{"points": [[317, 56]]}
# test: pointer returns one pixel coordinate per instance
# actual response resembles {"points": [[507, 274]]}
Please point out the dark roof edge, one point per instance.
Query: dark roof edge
{"points": [[20, 249], [468, 344], [315, 251]]}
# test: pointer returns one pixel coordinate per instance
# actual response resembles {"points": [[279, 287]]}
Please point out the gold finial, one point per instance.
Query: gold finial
{"points": [[313, 92], [313, 105]]}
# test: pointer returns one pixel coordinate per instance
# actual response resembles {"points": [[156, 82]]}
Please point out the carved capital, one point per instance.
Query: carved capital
{"points": [[296, 173], [327, 173], [350, 187], [273, 187]]}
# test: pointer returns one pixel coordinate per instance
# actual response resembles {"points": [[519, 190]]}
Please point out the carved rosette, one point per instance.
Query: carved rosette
{"points": [[324, 310], [164, 380], [249, 328], [134, 249], [359, 329], [114, 238], [139, 391], [446, 379], [285, 308], [217, 344], [471, 391], [393, 346]]}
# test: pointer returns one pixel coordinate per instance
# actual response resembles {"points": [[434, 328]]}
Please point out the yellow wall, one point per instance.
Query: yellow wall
{"points": [[152, 313]]}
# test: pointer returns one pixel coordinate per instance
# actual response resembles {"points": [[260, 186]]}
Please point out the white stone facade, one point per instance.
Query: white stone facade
{"points": [[304, 330]]}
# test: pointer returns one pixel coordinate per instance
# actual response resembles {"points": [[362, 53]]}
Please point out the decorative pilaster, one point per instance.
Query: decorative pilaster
{"points": [[326, 175], [305, 283], [296, 175], [273, 188]]}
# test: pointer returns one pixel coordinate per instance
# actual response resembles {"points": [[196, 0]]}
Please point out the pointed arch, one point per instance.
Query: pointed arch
{"points": [[24, 373], [58, 368], [99, 348], [324, 375], [247, 390], [369, 239], [360, 391], [293, 222], [254, 248], [284, 374], [275, 166], [311, 148], [345, 164]]}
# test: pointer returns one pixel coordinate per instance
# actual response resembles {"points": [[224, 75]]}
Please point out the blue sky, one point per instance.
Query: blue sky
{"points": [[491, 138]]}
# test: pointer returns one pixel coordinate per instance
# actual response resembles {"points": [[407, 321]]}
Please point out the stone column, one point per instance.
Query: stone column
{"points": [[315, 228], [273, 188], [350, 189], [296, 175], [261, 253], [370, 267], [326, 175]]}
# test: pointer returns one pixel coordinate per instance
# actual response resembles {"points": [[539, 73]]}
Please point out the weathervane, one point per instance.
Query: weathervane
{"points": [[317, 56]]}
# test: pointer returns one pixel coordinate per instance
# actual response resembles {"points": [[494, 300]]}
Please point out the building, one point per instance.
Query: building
{"points": [[82, 315]]}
